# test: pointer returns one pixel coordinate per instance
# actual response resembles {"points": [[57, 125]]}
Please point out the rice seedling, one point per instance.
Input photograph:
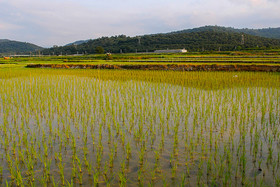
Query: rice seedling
{"points": [[137, 127]]}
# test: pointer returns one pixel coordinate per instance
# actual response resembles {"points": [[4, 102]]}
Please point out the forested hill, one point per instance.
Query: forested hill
{"points": [[11, 47], [193, 41], [266, 32], [77, 42]]}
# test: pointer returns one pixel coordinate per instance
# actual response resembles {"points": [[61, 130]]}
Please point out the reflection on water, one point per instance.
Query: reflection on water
{"points": [[135, 127]]}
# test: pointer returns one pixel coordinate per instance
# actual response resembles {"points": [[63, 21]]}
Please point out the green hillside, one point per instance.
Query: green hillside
{"points": [[199, 40], [266, 32], [11, 47]]}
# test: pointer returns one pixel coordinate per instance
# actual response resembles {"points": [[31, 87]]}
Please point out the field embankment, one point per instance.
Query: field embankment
{"points": [[172, 67]]}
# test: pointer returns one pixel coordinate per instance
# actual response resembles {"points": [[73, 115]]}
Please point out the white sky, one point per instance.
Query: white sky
{"points": [[58, 22]]}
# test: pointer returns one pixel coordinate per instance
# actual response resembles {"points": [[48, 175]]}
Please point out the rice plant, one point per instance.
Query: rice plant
{"points": [[104, 127]]}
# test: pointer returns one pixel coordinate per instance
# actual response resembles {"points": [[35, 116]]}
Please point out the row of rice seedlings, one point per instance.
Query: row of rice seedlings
{"points": [[102, 130]]}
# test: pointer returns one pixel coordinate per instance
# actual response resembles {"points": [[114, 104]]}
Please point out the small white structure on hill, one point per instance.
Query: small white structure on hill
{"points": [[171, 51]]}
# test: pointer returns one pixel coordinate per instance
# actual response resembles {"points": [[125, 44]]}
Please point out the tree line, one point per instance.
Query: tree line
{"points": [[208, 40]]}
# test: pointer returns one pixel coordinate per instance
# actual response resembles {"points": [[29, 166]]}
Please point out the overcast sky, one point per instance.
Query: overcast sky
{"points": [[58, 22]]}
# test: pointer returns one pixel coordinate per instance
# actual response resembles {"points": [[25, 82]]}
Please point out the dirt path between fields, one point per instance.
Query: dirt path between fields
{"points": [[172, 67]]}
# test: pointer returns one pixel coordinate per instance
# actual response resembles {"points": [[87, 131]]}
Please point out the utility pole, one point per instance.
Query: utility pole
{"points": [[139, 40], [242, 39]]}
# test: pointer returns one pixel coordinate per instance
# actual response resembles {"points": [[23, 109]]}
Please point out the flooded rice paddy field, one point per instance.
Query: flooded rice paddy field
{"points": [[130, 128]]}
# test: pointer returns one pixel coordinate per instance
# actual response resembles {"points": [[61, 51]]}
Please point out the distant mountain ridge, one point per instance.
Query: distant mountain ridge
{"points": [[196, 39], [208, 38], [265, 32], [77, 42], [9, 46], [3, 40]]}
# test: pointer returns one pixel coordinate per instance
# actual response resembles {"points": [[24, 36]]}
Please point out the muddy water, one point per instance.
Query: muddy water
{"points": [[183, 134]]}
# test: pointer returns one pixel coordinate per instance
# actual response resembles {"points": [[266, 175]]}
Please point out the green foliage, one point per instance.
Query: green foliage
{"points": [[99, 50], [207, 40], [8, 46], [267, 32]]}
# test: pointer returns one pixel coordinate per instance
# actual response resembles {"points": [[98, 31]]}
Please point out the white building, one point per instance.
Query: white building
{"points": [[171, 51]]}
